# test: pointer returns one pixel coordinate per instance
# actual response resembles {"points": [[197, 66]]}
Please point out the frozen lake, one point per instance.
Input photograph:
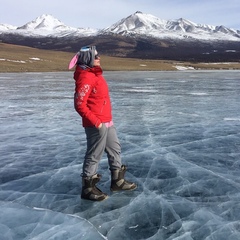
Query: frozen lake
{"points": [[180, 136]]}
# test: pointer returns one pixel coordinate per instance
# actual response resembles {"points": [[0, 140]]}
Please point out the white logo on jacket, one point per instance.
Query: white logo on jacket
{"points": [[82, 92]]}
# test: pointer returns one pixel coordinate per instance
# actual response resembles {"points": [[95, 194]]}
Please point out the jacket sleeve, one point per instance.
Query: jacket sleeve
{"points": [[82, 92]]}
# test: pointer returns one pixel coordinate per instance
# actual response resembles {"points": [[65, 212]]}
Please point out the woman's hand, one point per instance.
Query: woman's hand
{"points": [[99, 126]]}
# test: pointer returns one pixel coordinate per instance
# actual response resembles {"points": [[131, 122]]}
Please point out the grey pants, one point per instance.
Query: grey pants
{"points": [[100, 141]]}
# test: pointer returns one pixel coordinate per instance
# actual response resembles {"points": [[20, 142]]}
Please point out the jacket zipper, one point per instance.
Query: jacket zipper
{"points": [[104, 103]]}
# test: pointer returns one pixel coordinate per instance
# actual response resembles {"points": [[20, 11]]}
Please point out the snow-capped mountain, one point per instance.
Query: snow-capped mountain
{"points": [[136, 23], [133, 25], [47, 25], [149, 25], [7, 27], [45, 21]]}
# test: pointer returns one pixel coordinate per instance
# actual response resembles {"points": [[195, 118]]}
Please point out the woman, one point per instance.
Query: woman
{"points": [[92, 102]]}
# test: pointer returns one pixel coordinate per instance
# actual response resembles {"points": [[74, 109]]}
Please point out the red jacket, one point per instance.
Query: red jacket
{"points": [[91, 99]]}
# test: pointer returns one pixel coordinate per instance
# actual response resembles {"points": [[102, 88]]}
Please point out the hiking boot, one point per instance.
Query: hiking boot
{"points": [[89, 189], [118, 182]]}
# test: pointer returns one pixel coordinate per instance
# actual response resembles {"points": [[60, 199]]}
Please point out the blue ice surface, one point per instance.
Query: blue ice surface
{"points": [[180, 137]]}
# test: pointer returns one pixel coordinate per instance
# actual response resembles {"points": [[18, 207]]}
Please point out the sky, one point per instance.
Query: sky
{"points": [[100, 14]]}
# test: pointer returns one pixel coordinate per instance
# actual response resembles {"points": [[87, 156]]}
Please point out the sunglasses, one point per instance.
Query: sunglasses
{"points": [[97, 56]]}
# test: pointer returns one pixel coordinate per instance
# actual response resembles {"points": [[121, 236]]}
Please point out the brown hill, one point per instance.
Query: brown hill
{"points": [[15, 58]]}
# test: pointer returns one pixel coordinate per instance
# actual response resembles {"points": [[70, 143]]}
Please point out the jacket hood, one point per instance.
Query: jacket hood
{"points": [[80, 70]]}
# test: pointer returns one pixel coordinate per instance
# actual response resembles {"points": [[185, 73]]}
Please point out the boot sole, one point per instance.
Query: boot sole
{"points": [[121, 190], [94, 200]]}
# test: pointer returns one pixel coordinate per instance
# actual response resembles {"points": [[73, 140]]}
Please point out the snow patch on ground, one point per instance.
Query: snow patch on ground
{"points": [[35, 58], [182, 68], [20, 61], [9, 60]]}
